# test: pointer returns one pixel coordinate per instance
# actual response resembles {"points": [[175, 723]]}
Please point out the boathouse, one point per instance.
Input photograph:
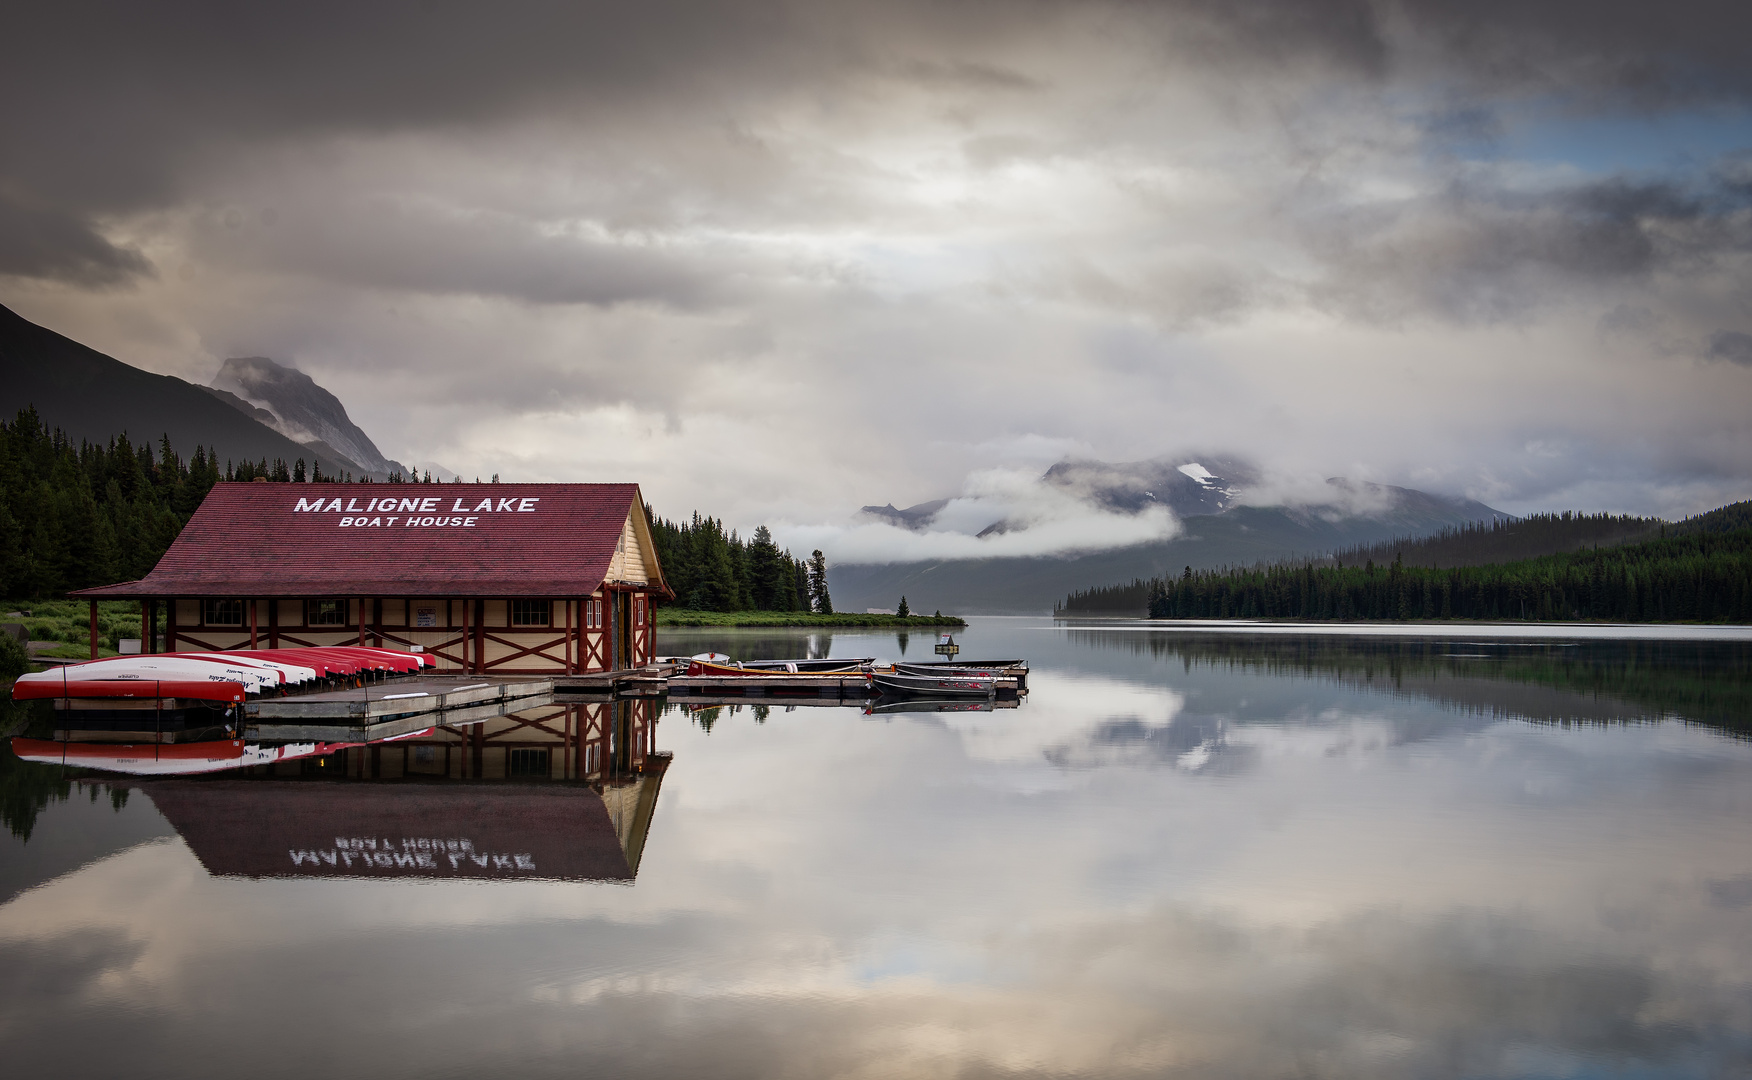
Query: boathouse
{"points": [[488, 578]]}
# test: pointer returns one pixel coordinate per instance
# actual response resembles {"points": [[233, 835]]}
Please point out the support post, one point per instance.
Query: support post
{"points": [[361, 620], [274, 623], [568, 604], [94, 629], [480, 636], [254, 637], [170, 624], [145, 642], [151, 643]]}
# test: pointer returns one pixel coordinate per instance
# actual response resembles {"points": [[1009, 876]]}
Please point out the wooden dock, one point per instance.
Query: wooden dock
{"points": [[393, 707], [670, 679]]}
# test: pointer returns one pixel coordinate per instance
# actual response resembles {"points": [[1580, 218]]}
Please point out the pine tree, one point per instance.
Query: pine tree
{"points": [[818, 583], [902, 611]]}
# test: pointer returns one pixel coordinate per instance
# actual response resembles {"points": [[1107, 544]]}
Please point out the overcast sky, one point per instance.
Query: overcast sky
{"points": [[775, 261]]}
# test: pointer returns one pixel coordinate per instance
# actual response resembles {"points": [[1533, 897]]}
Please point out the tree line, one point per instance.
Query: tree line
{"points": [[1701, 576], [75, 516], [1481, 542], [711, 570]]}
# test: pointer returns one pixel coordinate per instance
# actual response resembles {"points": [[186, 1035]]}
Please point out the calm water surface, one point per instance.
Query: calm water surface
{"points": [[1186, 854]]}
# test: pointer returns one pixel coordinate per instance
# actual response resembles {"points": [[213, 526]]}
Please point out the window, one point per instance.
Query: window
{"points": [[526, 761], [222, 612], [325, 613], [638, 611], [532, 612], [593, 614]]}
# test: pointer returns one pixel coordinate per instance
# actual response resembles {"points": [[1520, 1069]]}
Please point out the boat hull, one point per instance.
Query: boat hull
{"points": [[901, 684]]}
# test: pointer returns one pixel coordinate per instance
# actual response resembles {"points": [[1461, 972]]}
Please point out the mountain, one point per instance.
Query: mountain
{"points": [[1217, 530], [291, 402], [913, 517], [96, 397], [1189, 486]]}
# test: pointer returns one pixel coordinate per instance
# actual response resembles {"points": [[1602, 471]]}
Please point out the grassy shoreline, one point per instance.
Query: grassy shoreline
{"points": [[671, 617]]}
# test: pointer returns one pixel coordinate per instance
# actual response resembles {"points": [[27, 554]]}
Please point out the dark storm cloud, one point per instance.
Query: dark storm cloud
{"points": [[108, 97], [1734, 346], [1481, 251], [45, 242]]}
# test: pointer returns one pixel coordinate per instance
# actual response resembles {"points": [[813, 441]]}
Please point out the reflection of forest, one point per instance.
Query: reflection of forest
{"points": [[1702, 682]]}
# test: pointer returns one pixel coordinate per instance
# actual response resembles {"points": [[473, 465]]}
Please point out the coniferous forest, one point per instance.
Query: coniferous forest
{"points": [[1698, 570], [1697, 577], [714, 571]]}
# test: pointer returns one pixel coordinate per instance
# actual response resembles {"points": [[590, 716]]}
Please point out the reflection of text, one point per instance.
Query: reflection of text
{"points": [[369, 853]]}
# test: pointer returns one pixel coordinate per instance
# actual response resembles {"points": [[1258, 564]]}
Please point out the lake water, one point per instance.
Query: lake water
{"points": [[1187, 853]]}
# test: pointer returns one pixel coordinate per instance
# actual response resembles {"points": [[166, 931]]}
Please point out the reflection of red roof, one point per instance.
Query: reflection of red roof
{"points": [[393, 540], [267, 828]]}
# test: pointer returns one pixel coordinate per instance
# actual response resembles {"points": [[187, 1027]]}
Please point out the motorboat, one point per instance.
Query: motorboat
{"points": [[935, 666], [941, 684]]}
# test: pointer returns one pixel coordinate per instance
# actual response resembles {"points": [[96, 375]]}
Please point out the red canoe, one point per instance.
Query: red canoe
{"points": [[199, 689]]}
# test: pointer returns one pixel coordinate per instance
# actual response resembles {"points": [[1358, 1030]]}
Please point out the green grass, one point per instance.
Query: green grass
{"points": [[673, 617], [69, 621]]}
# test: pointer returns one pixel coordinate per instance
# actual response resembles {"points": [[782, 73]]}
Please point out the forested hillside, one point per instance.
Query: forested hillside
{"points": [[1697, 575], [1481, 543]]}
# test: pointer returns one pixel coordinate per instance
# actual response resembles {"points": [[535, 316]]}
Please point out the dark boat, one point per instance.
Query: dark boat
{"points": [[940, 666], [940, 684]]}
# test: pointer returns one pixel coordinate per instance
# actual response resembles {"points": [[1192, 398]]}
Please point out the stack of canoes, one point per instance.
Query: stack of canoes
{"points": [[220, 677]]}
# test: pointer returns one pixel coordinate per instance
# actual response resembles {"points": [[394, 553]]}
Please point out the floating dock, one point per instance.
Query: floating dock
{"points": [[393, 707]]}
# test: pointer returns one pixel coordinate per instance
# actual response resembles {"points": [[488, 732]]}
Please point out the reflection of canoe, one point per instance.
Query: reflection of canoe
{"points": [[925, 705], [701, 667], [902, 684], [168, 759], [178, 759], [834, 664]]}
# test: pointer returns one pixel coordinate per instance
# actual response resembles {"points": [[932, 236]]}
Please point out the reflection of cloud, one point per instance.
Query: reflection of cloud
{"points": [[829, 894], [1062, 713]]}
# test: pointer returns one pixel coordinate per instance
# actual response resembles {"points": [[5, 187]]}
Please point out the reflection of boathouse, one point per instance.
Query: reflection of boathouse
{"points": [[489, 578], [563, 792]]}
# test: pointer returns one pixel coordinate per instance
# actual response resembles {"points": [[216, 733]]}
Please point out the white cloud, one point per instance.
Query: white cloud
{"points": [[1032, 518]]}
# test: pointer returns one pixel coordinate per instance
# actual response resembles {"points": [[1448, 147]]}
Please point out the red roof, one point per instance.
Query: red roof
{"points": [[456, 540]]}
